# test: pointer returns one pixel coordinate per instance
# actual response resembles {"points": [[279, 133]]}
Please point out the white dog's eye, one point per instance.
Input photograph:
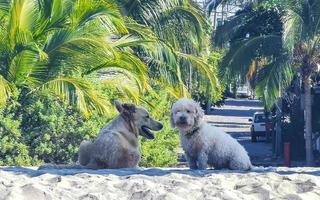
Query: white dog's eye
{"points": [[188, 111]]}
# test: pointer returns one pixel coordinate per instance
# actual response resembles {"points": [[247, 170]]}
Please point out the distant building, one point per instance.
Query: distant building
{"points": [[222, 13]]}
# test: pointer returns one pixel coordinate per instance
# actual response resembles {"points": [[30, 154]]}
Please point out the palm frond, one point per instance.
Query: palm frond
{"points": [[129, 41], [278, 74], [184, 12], [23, 16], [4, 6], [137, 67], [53, 14], [315, 6], [240, 56], [292, 30], [128, 89], [230, 28], [139, 29], [178, 92], [79, 92], [26, 68], [88, 10], [204, 68], [75, 50], [5, 91]]}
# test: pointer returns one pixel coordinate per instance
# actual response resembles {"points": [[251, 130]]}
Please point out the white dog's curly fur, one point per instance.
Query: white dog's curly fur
{"points": [[204, 144]]}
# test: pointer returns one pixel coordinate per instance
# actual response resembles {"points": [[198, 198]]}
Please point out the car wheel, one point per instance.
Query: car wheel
{"points": [[253, 137], [268, 139]]}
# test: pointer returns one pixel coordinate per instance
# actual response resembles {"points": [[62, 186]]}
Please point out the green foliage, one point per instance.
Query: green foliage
{"points": [[13, 150], [162, 151], [179, 57], [44, 129], [57, 44], [62, 62], [54, 130], [256, 50], [202, 92]]}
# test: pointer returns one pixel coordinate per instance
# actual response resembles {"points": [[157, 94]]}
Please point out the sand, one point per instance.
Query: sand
{"points": [[156, 183]]}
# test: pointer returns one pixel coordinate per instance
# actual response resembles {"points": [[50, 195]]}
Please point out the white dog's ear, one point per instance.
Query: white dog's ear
{"points": [[199, 114], [172, 120]]}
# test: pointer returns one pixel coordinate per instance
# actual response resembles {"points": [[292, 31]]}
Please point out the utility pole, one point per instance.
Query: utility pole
{"points": [[278, 147]]}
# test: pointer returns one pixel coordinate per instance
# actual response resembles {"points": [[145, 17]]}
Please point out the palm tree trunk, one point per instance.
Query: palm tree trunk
{"points": [[215, 20], [190, 78], [308, 120], [222, 14]]}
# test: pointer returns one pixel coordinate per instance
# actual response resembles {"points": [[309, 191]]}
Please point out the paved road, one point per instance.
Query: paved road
{"points": [[233, 118]]}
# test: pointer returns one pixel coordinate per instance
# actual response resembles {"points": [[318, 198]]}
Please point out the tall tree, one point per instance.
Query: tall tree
{"points": [[182, 32], [57, 44], [300, 41]]}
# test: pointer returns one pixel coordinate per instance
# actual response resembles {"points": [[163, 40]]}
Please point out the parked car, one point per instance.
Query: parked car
{"points": [[259, 127], [243, 92]]}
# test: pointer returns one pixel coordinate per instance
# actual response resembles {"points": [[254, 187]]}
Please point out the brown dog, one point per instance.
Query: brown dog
{"points": [[117, 144]]}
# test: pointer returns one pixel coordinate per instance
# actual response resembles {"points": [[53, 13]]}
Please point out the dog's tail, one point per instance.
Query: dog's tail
{"points": [[85, 152]]}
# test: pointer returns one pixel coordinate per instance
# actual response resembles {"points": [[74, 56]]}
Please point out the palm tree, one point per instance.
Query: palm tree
{"points": [[180, 56], [59, 44], [300, 41], [255, 51]]}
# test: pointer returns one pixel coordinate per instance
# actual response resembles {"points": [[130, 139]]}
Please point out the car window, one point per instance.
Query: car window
{"points": [[259, 118]]}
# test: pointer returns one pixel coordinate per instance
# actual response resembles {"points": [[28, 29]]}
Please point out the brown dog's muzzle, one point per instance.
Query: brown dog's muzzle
{"points": [[145, 132]]}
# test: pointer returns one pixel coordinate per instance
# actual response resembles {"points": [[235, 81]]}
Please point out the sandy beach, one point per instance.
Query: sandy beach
{"points": [[20, 183]]}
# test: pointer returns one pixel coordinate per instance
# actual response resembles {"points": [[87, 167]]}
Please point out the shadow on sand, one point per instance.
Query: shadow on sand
{"points": [[154, 171]]}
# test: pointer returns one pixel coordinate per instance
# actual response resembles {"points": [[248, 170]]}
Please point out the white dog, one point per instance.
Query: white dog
{"points": [[204, 144]]}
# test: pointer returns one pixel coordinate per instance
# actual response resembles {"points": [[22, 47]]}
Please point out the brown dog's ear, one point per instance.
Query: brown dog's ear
{"points": [[119, 106], [125, 108], [129, 107]]}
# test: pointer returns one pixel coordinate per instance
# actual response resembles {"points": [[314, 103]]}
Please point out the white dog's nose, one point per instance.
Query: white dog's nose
{"points": [[183, 118]]}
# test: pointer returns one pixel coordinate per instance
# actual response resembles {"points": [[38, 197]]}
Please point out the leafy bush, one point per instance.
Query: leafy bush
{"points": [[162, 151], [53, 130], [13, 150], [203, 93], [43, 129]]}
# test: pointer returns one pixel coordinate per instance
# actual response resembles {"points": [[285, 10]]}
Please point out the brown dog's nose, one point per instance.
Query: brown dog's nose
{"points": [[160, 126]]}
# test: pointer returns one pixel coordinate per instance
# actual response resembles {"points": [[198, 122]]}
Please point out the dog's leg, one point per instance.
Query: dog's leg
{"points": [[202, 160], [237, 164], [85, 151], [93, 165], [191, 162]]}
